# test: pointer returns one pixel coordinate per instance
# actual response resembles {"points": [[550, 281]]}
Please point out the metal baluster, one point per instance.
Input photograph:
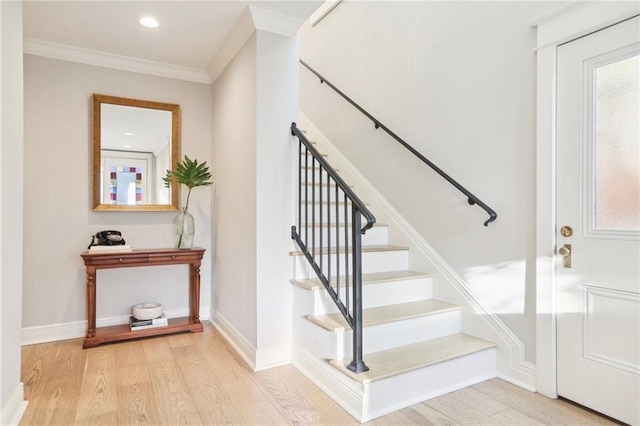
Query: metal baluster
{"points": [[306, 196], [300, 187], [357, 365], [329, 227], [313, 208], [346, 252], [337, 240], [320, 211]]}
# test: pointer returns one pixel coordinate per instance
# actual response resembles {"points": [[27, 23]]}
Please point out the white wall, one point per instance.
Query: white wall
{"points": [[58, 219], [457, 81], [278, 106], [234, 205], [11, 223], [255, 99]]}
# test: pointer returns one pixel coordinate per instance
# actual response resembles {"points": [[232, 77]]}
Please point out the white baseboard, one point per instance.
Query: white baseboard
{"points": [[511, 364], [273, 356], [76, 329], [14, 408], [242, 346], [257, 359], [345, 392]]}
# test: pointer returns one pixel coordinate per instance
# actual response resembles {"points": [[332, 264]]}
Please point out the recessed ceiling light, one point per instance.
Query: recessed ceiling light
{"points": [[129, 133], [126, 146], [149, 22]]}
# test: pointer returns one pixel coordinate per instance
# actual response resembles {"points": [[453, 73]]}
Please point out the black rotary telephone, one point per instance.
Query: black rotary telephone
{"points": [[107, 238]]}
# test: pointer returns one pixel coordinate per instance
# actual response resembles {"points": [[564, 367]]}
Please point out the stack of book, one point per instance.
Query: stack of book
{"points": [[137, 324]]}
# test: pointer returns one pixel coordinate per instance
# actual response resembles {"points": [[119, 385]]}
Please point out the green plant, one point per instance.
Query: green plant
{"points": [[190, 174]]}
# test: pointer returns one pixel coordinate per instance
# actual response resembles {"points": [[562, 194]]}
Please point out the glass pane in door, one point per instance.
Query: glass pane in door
{"points": [[617, 145]]}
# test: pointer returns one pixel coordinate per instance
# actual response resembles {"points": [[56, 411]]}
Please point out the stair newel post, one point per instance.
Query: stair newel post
{"points": [[357, 365]]}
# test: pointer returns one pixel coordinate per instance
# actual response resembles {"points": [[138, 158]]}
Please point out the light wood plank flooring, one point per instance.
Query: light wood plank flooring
{"points": [[199, 379]]}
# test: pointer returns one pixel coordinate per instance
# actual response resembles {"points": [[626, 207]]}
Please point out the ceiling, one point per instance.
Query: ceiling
{"points": [[190, 32]]}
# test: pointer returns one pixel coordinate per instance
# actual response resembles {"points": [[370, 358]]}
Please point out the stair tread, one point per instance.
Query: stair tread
{"points": [[385, 314], [365, 249], [403, 359], [367, 279]]}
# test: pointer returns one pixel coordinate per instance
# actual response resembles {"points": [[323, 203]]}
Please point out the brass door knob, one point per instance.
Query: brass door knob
{"points": [[565, 252], [566, 231]]}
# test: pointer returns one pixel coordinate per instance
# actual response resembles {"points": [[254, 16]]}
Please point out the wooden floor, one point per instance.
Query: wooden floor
{"points": [[199, 379]]}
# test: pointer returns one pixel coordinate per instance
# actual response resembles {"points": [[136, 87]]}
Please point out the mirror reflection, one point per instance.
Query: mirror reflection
{"points": [[135, 142]]}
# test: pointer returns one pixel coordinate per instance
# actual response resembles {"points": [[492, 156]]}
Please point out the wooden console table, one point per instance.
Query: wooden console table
{"points": [[150, 257]]}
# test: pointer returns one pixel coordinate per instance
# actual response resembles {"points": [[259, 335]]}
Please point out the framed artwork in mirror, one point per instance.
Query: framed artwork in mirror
{"points": [[134, 143]]}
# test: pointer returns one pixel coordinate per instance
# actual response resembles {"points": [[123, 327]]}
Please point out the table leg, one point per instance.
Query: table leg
{"points": [[91, 302], [194, 292]]}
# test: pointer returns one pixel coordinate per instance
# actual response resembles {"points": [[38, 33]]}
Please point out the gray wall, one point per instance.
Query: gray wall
{"points": [[234, 205], [457, 81], [255, 99], [58, 217]]}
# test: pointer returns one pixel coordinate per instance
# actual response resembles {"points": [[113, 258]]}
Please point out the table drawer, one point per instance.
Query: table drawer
{"points": [[181, 257], [116, 259]]}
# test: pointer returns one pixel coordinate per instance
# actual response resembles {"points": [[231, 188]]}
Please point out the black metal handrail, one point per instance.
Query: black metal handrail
{"points": [[471, 199], [315, 242]]}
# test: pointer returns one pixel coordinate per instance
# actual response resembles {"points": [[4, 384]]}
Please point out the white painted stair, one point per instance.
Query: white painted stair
{"points": [[412, 343]]}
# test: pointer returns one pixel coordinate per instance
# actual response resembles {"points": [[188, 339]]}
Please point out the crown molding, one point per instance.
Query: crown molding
{"points": [[236, 38], [252, 19], [326, 8], [578, 18], [266, 20], [108, 60]]}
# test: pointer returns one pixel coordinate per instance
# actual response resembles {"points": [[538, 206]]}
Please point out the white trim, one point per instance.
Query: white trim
{"points": [[236, 38], [561, 25], [578, 18], [511, 364], [345, 392], [326, 8], [276, 23], [75, 329], [252, 19], [257, 359], [238, 342], [14, 409], [273, 356], [109, 60]]}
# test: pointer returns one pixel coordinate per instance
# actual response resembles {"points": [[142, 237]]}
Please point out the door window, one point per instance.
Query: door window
{"points": [[615, 194]]}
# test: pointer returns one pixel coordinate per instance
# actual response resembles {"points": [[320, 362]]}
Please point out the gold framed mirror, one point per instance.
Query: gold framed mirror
{"points": [[134, 142]]}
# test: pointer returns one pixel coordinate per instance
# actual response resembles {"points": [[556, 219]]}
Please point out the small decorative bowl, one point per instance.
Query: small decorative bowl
{"points": [[146, 311]]}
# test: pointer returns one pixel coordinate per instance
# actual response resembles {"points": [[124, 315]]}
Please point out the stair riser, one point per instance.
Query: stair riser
{"points": [[405, 332], [303, 304], [371, 262], [379, 294], [397, 392], [337, 345], [377, 235]]}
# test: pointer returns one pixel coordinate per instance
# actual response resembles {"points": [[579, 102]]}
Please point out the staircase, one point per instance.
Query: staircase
{"points": [[412, 343]]}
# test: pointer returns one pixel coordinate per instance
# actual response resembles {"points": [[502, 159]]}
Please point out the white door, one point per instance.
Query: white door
{"points": [[598, 197]]}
